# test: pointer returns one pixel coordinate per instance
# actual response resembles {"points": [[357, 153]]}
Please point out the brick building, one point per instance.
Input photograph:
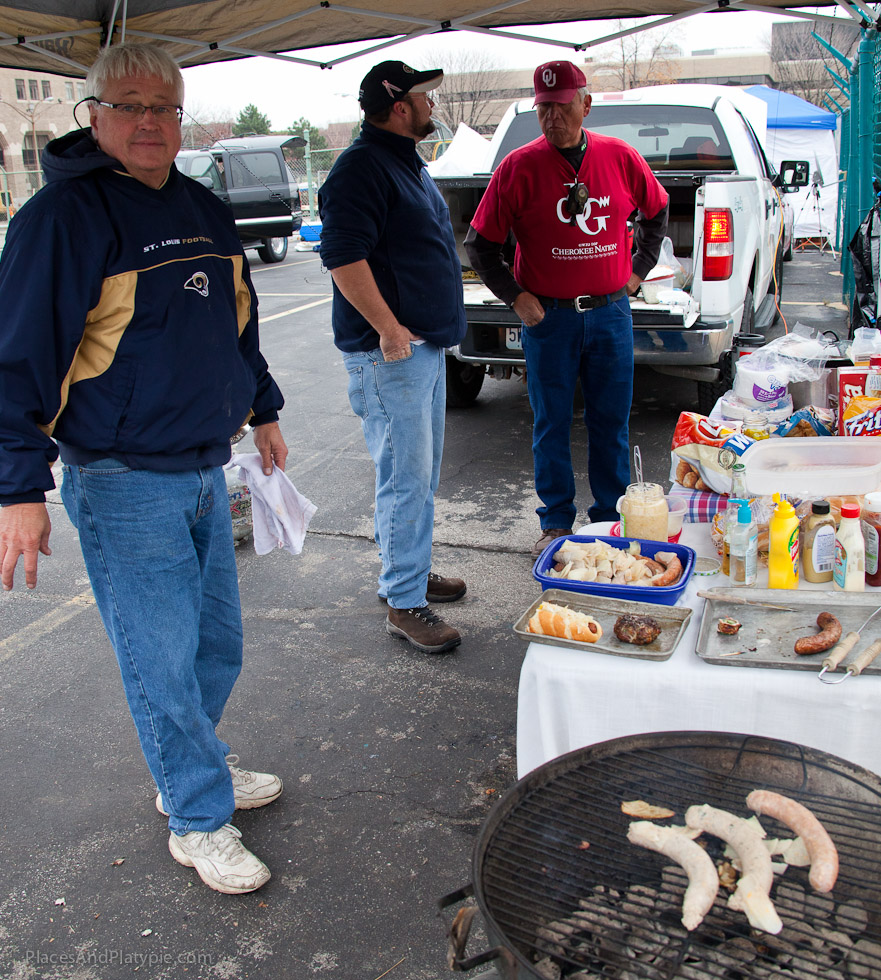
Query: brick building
{"points": [[35, 107]]}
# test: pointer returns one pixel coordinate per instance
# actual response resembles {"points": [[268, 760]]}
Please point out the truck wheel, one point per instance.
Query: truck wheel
{"points": [[708, 393], [464, 382], [787, 255], [748, 322], [273, 249]]}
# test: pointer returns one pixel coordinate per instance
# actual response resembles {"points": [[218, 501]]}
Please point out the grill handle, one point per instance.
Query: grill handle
{"points": [[458, 932]]}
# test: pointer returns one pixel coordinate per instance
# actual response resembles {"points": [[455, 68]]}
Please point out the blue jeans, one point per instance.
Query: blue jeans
{"points": [[596, 346], [159, 552], [401, 405]]}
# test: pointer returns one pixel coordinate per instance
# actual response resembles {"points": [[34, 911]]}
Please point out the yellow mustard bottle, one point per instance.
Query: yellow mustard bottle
{"points": [[783, 552]]}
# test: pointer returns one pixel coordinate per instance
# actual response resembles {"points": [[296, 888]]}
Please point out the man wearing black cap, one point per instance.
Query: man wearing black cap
{"points": [[397, 303], [567, 197]]}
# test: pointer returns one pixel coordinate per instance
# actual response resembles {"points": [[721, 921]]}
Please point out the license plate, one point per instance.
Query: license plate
{"points": [[512, 338]]}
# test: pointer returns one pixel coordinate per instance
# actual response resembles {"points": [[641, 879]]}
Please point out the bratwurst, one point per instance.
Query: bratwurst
{"points": [[829, 635]]}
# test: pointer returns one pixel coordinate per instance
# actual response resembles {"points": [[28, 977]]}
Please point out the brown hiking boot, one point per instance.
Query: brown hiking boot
{"points": [[423, 629], [442, 589], [439, 589], [547, 536]]}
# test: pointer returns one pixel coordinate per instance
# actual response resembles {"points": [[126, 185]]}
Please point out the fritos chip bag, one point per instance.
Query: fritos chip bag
{"points": [[862, 416]]}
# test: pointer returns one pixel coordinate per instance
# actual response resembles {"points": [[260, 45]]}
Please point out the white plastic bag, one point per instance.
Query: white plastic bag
{"points": [[866, 343]]}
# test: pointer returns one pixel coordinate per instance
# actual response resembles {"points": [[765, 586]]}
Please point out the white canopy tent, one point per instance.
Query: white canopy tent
{"points": [[799, 130]]}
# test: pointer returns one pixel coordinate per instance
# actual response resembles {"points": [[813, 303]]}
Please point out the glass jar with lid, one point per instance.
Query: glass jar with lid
{"points": [[756, 425], [644, 512]]}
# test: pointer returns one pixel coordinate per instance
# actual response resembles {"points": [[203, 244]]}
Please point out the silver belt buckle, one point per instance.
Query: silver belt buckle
{"points": [[583, 309]]}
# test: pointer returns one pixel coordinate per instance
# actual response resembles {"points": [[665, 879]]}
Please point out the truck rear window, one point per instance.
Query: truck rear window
{"points": [[669, 137]]}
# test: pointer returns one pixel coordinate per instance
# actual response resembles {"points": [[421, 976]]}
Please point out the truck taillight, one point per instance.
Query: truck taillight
{"points": [[718, 243]]}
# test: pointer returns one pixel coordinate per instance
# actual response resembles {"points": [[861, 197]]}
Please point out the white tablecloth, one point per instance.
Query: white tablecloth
{"points": [[569, 699]]}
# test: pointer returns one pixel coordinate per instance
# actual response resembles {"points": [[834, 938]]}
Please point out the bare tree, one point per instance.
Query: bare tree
{"points": [[202, 125], [647, 58], [801, 62], [473, 80]]}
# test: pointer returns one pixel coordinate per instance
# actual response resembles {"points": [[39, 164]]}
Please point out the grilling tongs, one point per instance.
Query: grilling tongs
{"points": [[843, 648]]}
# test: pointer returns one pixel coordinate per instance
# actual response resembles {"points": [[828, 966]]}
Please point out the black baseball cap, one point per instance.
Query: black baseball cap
{"points": [[389, 81]]}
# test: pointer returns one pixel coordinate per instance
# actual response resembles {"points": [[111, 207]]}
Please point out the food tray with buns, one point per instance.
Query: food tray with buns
{"points": [[663, 594], [605, 610]]}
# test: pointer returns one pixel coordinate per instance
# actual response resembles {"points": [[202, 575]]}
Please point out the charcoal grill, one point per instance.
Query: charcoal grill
{"points": [[564, 895]]}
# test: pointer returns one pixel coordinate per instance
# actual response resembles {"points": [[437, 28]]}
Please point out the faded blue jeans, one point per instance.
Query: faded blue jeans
{"points": [[597, 347], [159, 552], [401, 405]]}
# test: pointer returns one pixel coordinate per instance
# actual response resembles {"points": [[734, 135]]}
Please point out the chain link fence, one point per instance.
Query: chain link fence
{"points": [[860, 153], [321, 161]]}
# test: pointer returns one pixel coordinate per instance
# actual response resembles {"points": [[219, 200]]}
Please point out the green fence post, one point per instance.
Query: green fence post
{"points": [[866, 128]]}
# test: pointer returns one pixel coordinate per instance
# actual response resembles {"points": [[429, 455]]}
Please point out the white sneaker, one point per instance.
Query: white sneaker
{"points": [[221, 860], [251, 789]]}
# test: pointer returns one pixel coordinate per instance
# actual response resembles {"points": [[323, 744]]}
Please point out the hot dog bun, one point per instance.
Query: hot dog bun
{"points": [[567, 624]]}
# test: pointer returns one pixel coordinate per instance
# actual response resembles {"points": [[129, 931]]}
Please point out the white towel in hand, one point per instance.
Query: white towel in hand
{"points": [[280, 514]]}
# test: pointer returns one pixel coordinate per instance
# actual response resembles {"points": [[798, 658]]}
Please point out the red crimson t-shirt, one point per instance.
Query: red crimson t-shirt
{"points": [[527, 194]]}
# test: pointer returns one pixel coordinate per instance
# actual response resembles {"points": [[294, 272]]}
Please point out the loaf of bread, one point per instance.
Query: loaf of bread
{"points": [[567, 624]]}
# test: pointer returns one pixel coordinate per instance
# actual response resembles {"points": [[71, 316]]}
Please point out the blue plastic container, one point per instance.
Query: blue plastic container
{"points": [[665, 595]]}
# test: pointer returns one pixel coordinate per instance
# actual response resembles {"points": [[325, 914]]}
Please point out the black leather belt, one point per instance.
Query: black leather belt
{"points": [[581, 304]]}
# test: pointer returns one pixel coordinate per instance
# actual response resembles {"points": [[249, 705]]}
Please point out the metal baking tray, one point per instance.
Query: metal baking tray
{"points": [[605, 610], [767, 636]]}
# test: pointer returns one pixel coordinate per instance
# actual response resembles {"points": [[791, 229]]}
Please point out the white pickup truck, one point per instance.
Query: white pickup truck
{"points": [[728, 225]]}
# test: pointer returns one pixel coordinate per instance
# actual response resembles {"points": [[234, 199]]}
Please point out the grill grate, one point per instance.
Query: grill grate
{"points": [[612, 910]]}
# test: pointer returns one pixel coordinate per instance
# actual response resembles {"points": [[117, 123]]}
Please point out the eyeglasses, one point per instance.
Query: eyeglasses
{"points": [[427, 98], [131, 110]]}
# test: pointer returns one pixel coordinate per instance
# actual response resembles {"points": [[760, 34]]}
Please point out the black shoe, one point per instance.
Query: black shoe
{"points": [[423, 629]]}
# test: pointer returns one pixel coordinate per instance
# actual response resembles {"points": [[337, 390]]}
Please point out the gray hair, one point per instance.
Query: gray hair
{"points": [[132, 59]]}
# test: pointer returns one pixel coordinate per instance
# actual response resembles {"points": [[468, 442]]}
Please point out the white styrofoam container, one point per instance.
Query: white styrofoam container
{"points": [[812, 468]]}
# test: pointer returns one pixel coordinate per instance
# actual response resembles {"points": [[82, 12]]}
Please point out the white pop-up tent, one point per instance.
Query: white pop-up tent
{"points": [[799, 130]]}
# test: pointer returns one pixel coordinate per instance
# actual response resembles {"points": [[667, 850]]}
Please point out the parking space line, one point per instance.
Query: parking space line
{"points": [[45, 624], [287, 265], [296, 309]]}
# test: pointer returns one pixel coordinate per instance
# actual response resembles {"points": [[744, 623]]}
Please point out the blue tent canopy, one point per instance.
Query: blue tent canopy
{"points": [[787, 111]]}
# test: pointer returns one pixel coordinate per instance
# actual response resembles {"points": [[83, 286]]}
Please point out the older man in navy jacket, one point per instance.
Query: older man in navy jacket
{"points": [[387, 240]]}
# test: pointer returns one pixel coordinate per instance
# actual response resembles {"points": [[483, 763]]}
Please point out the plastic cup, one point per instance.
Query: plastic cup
{"points": [[677, 508]]}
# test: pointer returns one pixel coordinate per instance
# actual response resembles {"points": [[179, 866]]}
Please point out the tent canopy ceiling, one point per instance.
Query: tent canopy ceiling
{"points": [[65, 36]]}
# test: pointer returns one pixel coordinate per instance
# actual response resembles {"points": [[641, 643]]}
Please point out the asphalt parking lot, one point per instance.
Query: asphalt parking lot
{"points": [[392, 759]]}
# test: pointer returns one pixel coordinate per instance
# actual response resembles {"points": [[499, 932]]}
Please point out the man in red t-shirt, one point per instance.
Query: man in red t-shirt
{"points": [[567, 197]]}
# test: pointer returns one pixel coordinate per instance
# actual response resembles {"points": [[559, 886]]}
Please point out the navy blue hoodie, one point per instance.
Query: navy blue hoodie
{"points": [[379, 204], [129, 325]]}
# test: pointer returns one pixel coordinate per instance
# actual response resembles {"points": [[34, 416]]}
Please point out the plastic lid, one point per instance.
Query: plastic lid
{"points": [[850, 510], [822, 506], [873, 502], [784, 508], [703, 565]]}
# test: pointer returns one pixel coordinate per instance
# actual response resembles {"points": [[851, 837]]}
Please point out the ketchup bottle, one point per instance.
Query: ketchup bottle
{"points": [[871, 528]]}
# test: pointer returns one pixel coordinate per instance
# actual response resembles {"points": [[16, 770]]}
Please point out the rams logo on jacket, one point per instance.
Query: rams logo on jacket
{"points": [[199, 282]]}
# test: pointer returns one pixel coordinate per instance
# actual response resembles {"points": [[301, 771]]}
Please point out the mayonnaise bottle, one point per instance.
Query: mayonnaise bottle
{"points": [[849, 568]]}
